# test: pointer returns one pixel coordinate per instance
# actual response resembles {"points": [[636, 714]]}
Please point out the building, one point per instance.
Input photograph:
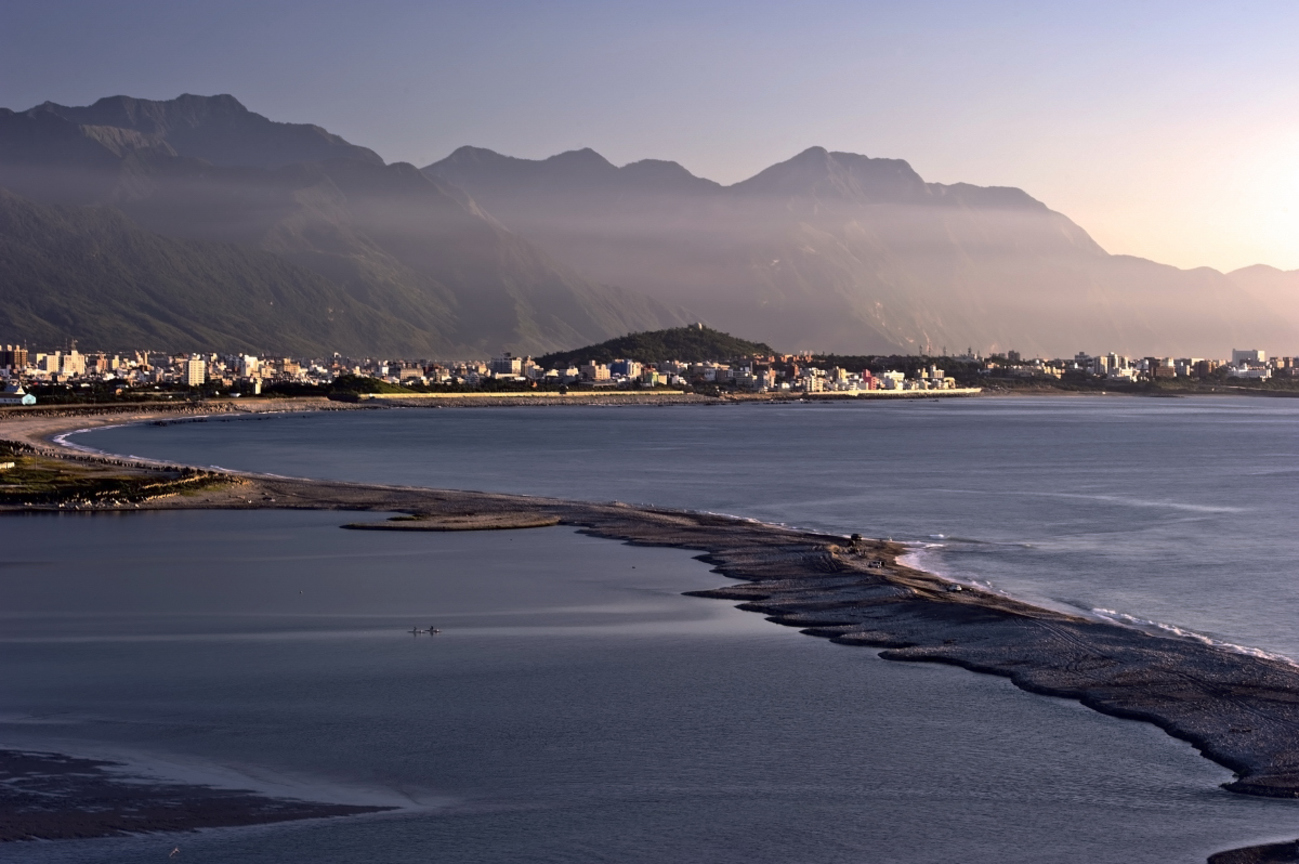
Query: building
{"points": [[1248, 357], [891, 380], [631, 369], [13, 357], [14, 394], [595, 372], [195, 372], [72, 364], [507, 364]]}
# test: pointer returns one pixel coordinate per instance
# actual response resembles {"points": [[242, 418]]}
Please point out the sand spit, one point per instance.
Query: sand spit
{"points": [[50, 796], [1271, 853], [503, 521], [1241, 711]]}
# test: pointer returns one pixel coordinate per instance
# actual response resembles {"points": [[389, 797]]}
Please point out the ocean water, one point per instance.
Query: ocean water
{"points": [[1177, 511], [577, 707]]}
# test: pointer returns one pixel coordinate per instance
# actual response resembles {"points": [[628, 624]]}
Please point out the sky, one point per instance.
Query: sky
{"points": [[1166, 130]]}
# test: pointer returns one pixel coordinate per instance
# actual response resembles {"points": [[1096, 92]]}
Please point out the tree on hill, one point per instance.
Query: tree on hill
{"points": [[693, 344]]}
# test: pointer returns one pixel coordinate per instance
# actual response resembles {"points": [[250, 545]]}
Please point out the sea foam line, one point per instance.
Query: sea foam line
{"points": [[1160, 628], [62, 439]]}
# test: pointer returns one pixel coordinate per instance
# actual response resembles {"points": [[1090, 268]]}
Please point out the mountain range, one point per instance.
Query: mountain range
{"points": [[180, 223], [409, 265], [840, 252]]}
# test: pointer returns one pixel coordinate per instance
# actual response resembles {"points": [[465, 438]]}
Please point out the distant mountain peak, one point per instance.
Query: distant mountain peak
{"points": [[468, 151], [150, 116], [217, 128], [819, 173], [579, 171], [584, 156]]}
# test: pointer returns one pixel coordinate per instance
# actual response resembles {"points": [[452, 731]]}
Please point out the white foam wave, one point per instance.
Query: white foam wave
{"points": [[62, 439], [1162, 629], [1125, 501], [927, 557]]}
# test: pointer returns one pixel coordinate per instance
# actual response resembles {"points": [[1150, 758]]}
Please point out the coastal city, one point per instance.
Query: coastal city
{"points": [[27, 373]]}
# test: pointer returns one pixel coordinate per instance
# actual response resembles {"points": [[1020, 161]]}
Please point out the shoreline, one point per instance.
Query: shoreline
{"points": [[1238, 710], [52, 796]]}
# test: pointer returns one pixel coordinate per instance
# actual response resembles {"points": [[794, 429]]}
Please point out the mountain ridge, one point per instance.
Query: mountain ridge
{"points": [[834, 251], [825, 251], [388, 236], [218, 129]]}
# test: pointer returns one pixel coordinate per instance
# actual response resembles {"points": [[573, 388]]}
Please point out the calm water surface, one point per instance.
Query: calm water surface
{"points": [[575, 708], [1173, 510]]}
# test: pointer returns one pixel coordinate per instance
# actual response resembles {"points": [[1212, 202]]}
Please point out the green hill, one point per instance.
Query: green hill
{"points": [[693, 344]]}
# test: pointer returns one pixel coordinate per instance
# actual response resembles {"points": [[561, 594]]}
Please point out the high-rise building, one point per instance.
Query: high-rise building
{"points": [[72, 363], [195, 372], [13, 357]]}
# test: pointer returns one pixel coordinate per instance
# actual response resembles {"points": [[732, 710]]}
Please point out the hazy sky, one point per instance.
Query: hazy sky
{"points": [[1167, 129]]}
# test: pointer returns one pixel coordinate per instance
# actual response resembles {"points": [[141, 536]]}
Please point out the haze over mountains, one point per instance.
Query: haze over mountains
{"points": [[195, 224], [408, 265], [840, 252]]}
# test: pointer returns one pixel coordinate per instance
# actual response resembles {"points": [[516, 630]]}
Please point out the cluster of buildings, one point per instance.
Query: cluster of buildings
{"points": [[248, 374], [1249, 364], [761, 374], [148, 368]]}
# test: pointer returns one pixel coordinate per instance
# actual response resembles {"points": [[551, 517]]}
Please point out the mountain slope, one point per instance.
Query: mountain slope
{"points": [[840, 252], [1275, 290], [148, 291], [387, 236]]}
